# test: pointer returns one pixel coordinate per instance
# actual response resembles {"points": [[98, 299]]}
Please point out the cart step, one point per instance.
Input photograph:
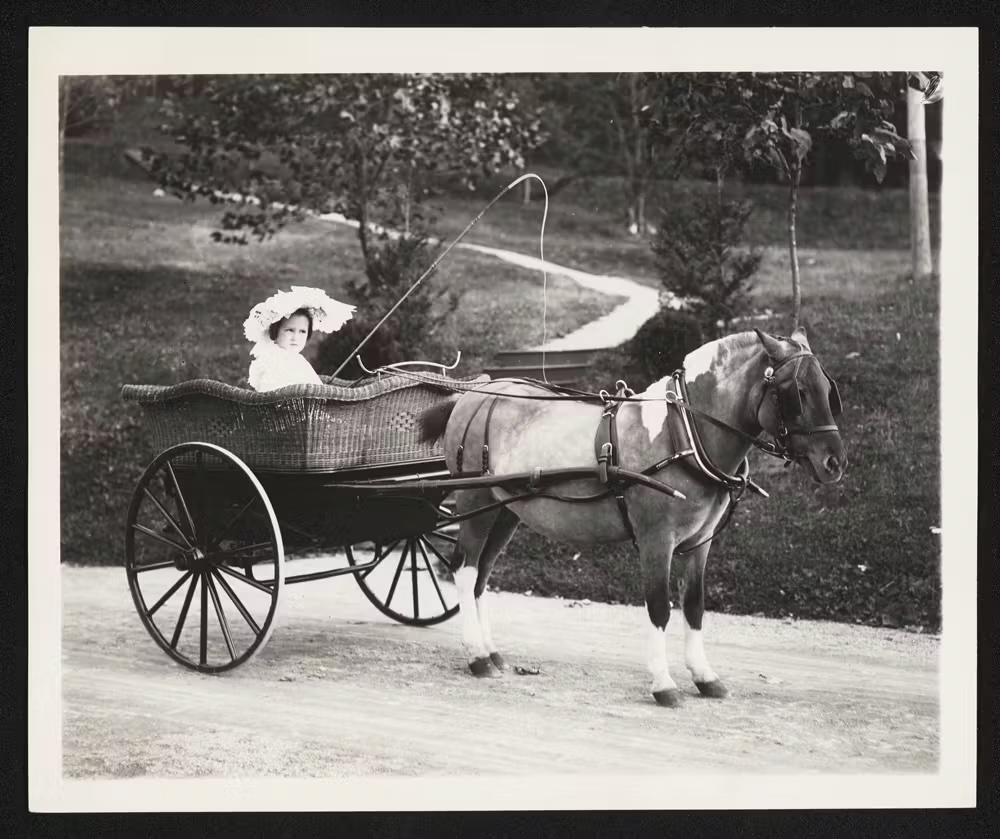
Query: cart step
{"points": [[562, 367]]}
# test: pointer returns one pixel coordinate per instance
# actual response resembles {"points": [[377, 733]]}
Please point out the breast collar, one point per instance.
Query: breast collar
{"points": [[677, 394]]}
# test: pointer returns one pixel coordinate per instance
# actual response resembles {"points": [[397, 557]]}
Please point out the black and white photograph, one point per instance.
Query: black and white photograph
{"points": [[435, 425]]}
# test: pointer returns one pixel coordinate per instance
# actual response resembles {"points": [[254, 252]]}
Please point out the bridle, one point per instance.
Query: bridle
{"points": [[787, 401]]}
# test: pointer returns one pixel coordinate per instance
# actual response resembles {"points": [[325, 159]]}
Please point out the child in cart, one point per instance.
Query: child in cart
{"points": [[281, 326]]}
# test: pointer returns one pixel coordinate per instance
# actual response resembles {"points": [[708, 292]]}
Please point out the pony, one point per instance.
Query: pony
{"points": [[694, 428]]}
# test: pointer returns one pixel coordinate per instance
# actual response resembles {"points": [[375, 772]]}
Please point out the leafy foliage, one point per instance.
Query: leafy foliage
{"points": [[725, 119], [88, 103], [364, 146], [355, 144], [700, 258], [779, 116]]}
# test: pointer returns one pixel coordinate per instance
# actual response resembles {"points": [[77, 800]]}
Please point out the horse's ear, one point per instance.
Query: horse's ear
{"points": [[772, 346], [799, 336]]}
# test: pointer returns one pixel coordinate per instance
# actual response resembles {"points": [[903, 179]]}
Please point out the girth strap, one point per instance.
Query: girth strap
{"points": [[460, 454], [606, 445]]}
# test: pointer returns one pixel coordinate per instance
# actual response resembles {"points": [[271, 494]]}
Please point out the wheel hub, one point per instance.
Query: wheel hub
{"points": [[190, 560]]}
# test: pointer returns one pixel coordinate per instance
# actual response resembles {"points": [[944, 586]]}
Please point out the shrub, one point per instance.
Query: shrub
{"points": [[661, 343], [412, 332], [699, 257], [656, 350]]}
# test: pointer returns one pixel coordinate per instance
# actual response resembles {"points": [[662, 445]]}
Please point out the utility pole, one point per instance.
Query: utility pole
{"points": [[920, 227]]}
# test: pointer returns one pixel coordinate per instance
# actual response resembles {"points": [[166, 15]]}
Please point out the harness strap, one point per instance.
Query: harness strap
{"points": [[607, 458], [460, 454]]}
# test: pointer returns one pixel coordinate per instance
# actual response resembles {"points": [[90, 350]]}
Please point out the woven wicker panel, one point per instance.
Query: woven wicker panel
{"points": [[301, 428]]}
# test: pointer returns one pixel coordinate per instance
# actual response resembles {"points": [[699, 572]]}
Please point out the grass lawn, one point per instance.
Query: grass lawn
{"points": [[586, 229], [145, 297], [860, 550]]}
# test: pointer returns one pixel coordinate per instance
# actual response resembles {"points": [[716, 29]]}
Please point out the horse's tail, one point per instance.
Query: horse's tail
{"points": [[434, 421]]}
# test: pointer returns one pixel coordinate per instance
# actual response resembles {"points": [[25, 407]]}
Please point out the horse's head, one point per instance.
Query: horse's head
{"points": [[798, 405]]}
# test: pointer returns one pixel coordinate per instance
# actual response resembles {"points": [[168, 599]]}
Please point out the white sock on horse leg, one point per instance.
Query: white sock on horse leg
{"points": [[484, 623], [694, 655], [656, 659], [472, 635]]}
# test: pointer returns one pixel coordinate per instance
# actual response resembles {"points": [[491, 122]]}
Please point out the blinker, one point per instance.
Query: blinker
{"points": [[791, 402]]}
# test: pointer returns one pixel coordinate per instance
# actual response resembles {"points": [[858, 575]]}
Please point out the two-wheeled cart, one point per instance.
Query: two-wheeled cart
{"points": [[245, 480]]}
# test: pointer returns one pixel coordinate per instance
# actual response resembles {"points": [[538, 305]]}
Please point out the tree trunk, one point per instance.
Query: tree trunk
{"points": [[920, 228], [640, 204], [793, 250], [527, 191]]}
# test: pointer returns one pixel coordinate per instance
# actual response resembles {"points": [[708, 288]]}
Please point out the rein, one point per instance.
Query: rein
{"points": [[616, 479]]}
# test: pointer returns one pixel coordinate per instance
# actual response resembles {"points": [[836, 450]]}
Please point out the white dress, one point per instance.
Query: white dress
{"points": [[274, 367]]}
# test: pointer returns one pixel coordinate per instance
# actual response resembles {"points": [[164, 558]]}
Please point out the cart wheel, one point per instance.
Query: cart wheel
{"points": [[201, 524], [409, 580]]}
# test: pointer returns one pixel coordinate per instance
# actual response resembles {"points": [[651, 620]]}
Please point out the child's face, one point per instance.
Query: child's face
{"points": [[293, 333]]}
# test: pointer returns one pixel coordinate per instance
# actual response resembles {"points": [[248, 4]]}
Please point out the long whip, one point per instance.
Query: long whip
{"points": [[446, 251]]}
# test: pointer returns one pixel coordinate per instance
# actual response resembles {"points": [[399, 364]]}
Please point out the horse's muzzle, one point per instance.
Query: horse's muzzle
{"points": [[828, 464], [827, 459]]}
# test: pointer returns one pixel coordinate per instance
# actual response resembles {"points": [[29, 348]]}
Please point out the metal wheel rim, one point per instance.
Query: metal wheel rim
{"points": [[421, 553], [211, 580]]}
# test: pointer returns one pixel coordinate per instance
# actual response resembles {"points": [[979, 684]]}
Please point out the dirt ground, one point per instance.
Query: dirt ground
{"points": [[341, 691]]}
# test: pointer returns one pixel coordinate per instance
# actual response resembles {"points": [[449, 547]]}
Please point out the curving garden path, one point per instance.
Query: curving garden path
{"points": [[617, 326]]}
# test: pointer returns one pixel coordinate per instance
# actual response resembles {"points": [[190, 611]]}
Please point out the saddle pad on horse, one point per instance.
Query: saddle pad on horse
{"points": [[302, 428]]}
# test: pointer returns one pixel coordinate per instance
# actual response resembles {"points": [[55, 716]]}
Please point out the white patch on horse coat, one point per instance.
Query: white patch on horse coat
{"points": [[700, 361], [654, 412], [656, 653], [694, 655], [484, 623], [472, 635]]}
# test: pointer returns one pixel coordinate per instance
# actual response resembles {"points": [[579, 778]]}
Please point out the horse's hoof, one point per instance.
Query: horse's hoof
{"points": [[483, 668], [712, 690], [670, 698], [499, 661]]}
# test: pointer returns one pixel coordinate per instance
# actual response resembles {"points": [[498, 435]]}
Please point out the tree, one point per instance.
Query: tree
{"points": [[921, 89], [700, 261], [597, 124], [362, 145], [779, 117], [85, 103]]}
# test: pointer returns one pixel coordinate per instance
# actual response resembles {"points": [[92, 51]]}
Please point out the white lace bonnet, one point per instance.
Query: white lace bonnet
{"points": [[328, 315]]}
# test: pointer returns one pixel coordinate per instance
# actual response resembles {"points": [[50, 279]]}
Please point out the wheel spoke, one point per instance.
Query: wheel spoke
{"points": [[433, 576], [223, 623], [181, 501], [203, 648], [236, 602], [155, 566], [414, 579], [379, 557], [167, 516], [243, 578], [395, 579], [225, 528], [438, 534], [437, 553], [169, 594], [143, 529], [183, 615]]}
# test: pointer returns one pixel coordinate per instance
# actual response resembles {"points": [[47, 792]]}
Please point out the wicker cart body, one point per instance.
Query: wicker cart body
{"points": [[244, 479]]}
